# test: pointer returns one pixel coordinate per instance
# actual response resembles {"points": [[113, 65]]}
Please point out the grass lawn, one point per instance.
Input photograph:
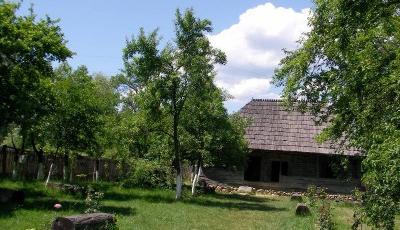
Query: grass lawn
{"points": [[156, 209]]}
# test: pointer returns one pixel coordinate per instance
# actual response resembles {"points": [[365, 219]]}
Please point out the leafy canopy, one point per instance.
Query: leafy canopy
{"points": [[27, 49], [347, 69]]}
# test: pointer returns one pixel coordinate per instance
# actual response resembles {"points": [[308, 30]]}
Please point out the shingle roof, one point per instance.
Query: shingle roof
{"points": [[272, 127]]}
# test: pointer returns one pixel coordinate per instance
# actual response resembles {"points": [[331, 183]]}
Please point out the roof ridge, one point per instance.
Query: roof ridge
{"points": [[267, 99]]}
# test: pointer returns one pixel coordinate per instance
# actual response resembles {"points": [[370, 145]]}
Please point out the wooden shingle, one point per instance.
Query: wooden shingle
{"points": [[274, 128]]}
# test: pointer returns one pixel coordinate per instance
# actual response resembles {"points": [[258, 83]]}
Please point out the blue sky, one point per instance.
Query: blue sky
{"points": [[252, 33]]}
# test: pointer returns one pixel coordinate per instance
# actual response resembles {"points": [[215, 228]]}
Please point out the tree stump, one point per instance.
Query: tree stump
{"points": [[84, 221], [10, 195], [302, 209]]}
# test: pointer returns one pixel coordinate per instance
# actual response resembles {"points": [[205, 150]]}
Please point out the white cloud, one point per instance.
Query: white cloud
{"points": [[254, 48]]}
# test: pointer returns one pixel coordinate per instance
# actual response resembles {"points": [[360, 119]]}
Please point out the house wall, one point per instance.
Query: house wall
{"points": [[224, 176], [298, 165], [303, 170]]}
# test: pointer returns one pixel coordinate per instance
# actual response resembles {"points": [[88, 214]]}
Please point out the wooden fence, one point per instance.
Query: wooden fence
{"points": [[82, 167]]}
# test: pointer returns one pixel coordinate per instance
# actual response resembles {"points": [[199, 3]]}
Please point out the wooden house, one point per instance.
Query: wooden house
{"points": [[284, 153]]}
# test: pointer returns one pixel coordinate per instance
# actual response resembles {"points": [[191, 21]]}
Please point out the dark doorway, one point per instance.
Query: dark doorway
{"points": [[253, 169], [284, 168], [275, 170]]}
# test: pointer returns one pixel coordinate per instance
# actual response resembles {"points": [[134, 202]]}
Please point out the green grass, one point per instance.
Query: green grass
{"points": [[156, 209]]}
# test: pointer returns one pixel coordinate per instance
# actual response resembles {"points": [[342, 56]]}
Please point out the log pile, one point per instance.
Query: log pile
{"points": [[89, 221]]}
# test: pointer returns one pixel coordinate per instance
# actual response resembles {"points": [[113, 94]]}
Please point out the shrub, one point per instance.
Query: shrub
{"points": [[358, 214], [325, 217], [149, 174], [93, 200], [314, 193]]}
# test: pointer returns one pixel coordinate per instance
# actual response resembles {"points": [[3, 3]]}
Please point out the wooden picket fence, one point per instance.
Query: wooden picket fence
{"points": [[82, 166]]}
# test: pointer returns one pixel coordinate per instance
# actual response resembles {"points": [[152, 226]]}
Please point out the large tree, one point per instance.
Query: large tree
{"points": [[165, 80], [27, 49], [347, 72], [84, 108]]}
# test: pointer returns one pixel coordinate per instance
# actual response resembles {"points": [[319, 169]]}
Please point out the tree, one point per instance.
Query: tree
{"points": [[211, 137], [78, 122], [346, 72], [27, 49], [164, 80], [106, 99]]}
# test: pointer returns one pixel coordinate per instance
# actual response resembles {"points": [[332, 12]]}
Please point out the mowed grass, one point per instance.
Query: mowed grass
{"points": [[157, 209]]}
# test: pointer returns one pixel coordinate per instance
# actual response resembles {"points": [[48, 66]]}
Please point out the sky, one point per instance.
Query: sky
{"points": [[251, 33]]}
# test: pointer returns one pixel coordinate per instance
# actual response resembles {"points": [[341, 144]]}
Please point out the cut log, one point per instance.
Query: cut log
{"points": [[10, 195], [302, 209], [84, 221]]}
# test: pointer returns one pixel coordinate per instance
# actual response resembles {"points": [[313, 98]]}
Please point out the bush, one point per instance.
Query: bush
{"points": [[93, 200], [325, 217], [315, 193], [149, 174]]}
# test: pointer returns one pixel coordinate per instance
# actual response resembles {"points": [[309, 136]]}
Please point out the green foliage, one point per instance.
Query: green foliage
{"points": [[358, 217], [27, 49], [382, 198], [325, 217], [149, 174], [172, 118], [314, 194], [84, 108], [93, 200], [347, 71]]}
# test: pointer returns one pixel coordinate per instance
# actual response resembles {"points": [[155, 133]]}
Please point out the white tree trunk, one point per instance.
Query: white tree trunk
{"points": [[40, 173], [14, 173], [196, 180], [97, 175], [48, 176], [178, 186], [95, 172]]}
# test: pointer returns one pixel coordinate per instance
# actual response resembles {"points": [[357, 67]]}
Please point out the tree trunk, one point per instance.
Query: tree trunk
{"points": [[66, 167], [48, 176], [40, 158], [96, 170], [177, 160], [178, 194], [40, 172], [196, 179], [71, 170], [15, 165], [84, 221]]}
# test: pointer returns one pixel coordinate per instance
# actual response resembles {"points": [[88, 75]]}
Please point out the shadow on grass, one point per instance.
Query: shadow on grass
{"points": [[228, 201], [152, 198], [8, 209], [241, 197]]}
